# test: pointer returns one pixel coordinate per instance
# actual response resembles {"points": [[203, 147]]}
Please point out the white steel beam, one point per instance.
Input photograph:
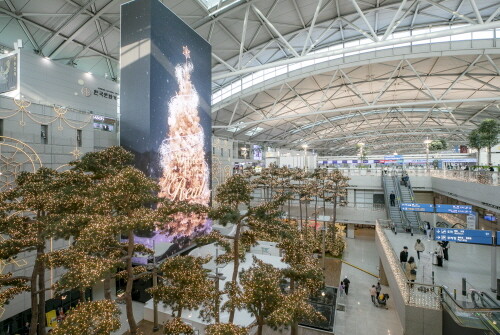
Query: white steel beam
{"points": [[363, 17], [311, 27], [243, 35], [394, 23], [410, 39], [476, 11], [446, 9], [374, 107], [273, 28], [83, 26], [67, 22], [471, 65]]}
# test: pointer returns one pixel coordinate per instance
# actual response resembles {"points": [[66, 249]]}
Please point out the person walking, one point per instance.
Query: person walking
{"points": [[346, 282], [411, 270], [373, 294], [341, 289], [438, 252], [403, 256], [378, 288], [419, 247], [428, 230], [392, 197]]}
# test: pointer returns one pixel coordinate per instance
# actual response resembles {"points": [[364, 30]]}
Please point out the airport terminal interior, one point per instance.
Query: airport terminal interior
{"points": [[231, 167]]}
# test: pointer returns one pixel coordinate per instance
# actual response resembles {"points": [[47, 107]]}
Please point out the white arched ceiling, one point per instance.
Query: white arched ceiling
{"points": [[398, 94]]}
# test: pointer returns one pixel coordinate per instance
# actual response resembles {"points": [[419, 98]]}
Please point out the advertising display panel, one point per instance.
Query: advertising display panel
{"points": [[463, 236], [165, 109], [8, 73]]}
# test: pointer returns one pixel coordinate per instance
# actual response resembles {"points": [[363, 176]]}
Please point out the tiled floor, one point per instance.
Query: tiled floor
{"points": [[361, 317], [469, 261]]}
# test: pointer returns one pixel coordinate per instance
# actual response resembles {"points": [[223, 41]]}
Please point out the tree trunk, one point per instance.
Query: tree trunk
{"points": [[295, 324], [107, 286], [334, 219], [307, 216], [41, 289], [489, 155], [478, 155], [260, 326], [179, 312], [236, 261], [130, 281], [300, 212], [315, 215], [82, 294], [34, 300]]}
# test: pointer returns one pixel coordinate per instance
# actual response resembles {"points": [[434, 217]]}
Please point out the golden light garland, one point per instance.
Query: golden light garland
{"points": [[60, 114]]}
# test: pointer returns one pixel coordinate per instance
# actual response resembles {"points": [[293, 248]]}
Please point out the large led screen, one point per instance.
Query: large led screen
{"points": [[165, 107]]}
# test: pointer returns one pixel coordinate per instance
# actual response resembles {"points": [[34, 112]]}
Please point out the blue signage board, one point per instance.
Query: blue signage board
{"points": [[454, 209], [498, 237], [463, 236], [393, 157], [411, 207]]}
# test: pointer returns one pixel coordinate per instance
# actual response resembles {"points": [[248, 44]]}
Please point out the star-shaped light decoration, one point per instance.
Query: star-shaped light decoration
{"points": [[76, 153], [186, 52]]}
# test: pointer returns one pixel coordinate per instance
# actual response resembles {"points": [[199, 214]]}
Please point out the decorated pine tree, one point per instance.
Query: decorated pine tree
{"points": [[186, 285], [90, 318], [30, 214], [185, 173]]}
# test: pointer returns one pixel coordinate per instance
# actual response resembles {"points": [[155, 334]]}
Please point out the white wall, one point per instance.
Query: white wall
{"points": [[46, 82]]}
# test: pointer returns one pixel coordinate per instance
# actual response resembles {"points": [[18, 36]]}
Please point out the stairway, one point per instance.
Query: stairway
{"points": [[407, 197], [393, 211]]}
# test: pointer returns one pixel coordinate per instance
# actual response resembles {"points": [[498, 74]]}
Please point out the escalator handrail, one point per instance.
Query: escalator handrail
{"points": [[402, 214], [417, 214], [483, 296], [465, 309]]}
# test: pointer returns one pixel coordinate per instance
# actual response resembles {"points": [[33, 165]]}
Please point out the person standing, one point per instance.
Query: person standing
{"points": [[378, 288], [373, 294], [341, 289], [392, 197], [411, 270], [439, 255], [428, 230], [346, 282], [403, 256], [419, 247], [445, 245]]}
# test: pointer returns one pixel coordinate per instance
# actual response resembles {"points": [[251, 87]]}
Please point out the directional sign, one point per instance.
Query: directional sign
{"points": [[411, 207], [463, 236], [454, 209]]}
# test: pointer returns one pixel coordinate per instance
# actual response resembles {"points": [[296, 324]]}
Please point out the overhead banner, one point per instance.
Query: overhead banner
{"points": [[464, 236], [411, 207]]}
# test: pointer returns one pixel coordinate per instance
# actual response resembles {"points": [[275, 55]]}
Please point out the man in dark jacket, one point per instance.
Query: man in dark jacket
{"points": [[403, 256], [346, 282], [393, 199]]}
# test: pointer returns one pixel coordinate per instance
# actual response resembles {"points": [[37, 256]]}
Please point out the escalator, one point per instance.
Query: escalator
{"points": [[483, 319], [393, 212]]}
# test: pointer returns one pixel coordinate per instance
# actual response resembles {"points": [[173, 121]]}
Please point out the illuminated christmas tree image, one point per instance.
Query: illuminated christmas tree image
{"points": [[185, 173]]}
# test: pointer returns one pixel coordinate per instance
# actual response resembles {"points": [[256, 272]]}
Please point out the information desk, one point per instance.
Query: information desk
{"points": [[463, 236]]}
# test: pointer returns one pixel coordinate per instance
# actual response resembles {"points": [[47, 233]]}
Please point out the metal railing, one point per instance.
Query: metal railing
{"points": [[479, 318], [480, 177], [414, 293], [404, 218], [433, 296]]}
